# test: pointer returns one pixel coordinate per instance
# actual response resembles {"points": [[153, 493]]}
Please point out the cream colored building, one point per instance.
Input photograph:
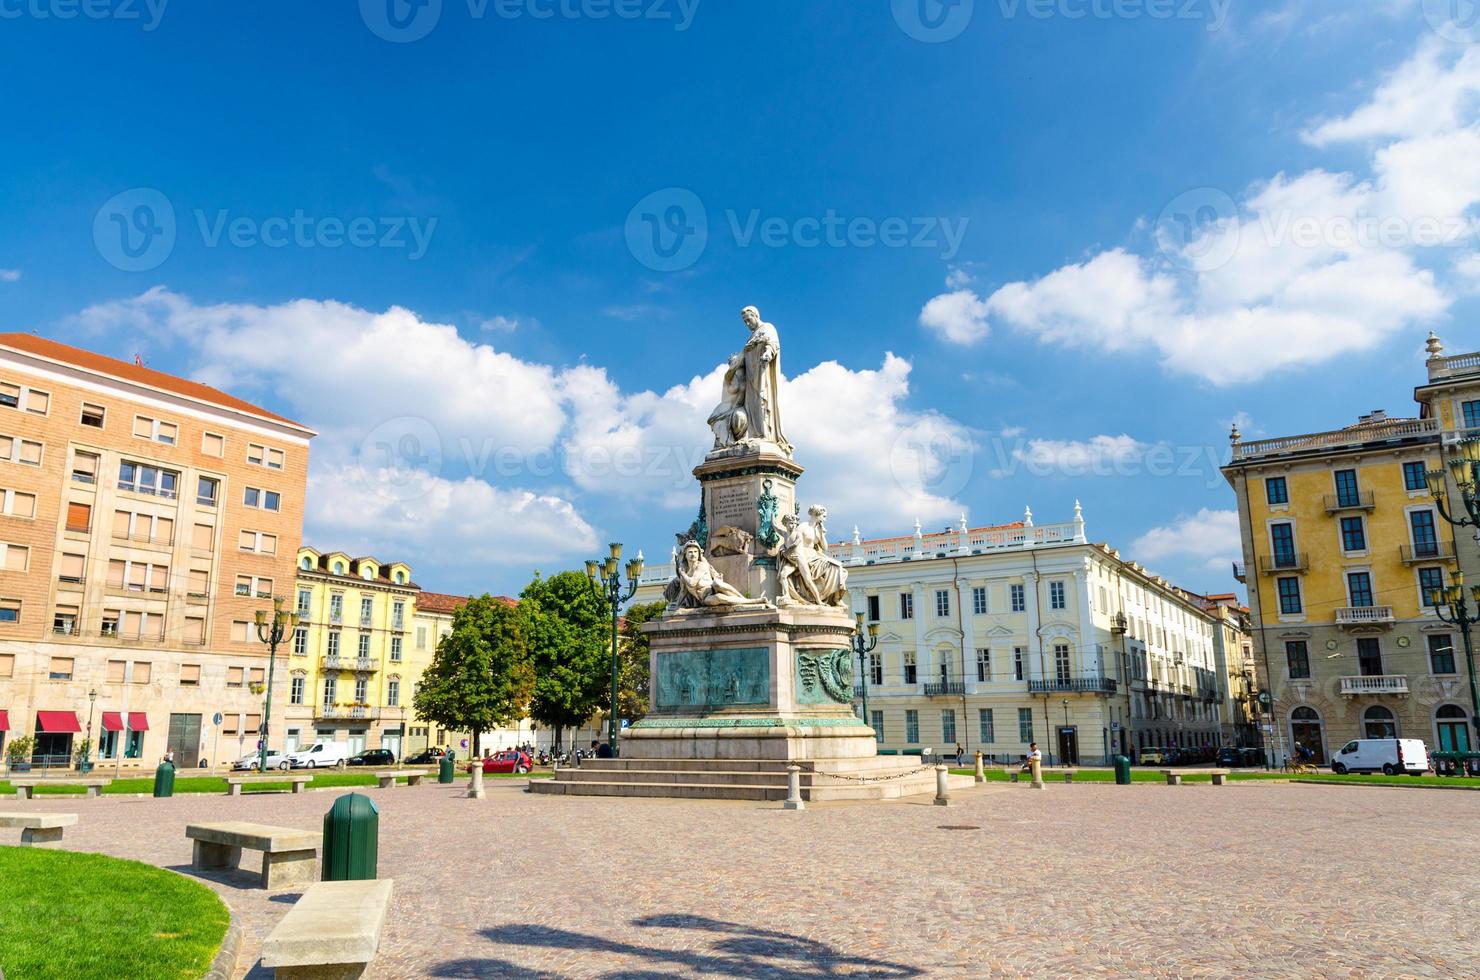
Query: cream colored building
{"points": [[144, 521], [996, 637]]}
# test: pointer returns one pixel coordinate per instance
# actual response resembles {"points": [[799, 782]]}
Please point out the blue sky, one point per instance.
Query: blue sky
{"points": [[1074, 240]]}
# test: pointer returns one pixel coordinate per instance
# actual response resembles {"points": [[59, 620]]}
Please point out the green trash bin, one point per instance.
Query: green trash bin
{"points": [[445, 769], [1122, 770], [351, 839], [164, 780]]}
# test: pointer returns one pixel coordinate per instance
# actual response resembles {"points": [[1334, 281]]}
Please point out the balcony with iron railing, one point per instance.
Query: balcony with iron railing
{"points": [[1283, 562], [336, 661], [346, 712], [1427, 551], [1395, 684], [1362, 500], [944, 689], [1365, 616], [1083, 684]]}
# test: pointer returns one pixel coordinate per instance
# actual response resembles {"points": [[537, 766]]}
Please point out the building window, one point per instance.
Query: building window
{"points": [[1275, 491], [259, 455], [1471, 412], [262, 499], [331, 690], [1061, 662], [1359, 587], [942, 603], [876, 721], [333, 648], [207, 491], [336, 607], [1414, 476], [212, 444], [16, 450], [257, 542], [363, 647], [150, 480], [1430, 580], [1019, 597], [906, 605], [254, 585], [948, 725], [979, 600], [398, 615], [393, 692], [1369, 656], [988, 732], [876, 669], [367, 610], [1056, 596], [61, 669], [236, 676], [190, 675], [1441, 653], [1347, 493], [912, 726], [362, 690], [421, 638], [300, 640], [64, 621], [910, 673], [1298, 659], [18, 504], [1353, 536], [295, 689], [395, 649], [93, 415], [1289, 591], [1282, 544], [873, 609], [1017, 663], [984, 664], [1425, 537], [1378, 722], [84, 467], [305, 602], [1025, 725], [155, 430]]}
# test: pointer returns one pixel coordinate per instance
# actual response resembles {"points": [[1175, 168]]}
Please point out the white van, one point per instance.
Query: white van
{"points": [[1385, 755], [321, 755]]}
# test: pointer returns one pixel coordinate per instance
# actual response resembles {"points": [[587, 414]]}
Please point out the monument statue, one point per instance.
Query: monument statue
{"points": [[806, 574], [697, 585], [749, 410], [728, 420]]}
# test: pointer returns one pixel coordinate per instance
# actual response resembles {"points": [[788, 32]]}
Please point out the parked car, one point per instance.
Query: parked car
{"points": [[1153, 756], [1253, 757], [506, 761], [321, 755], [374, 757], [1229, 756], [275, 760], [1389, 756], [427, 757]]}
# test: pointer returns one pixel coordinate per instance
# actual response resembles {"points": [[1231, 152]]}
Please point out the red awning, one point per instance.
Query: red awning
{"points": [[138, 721], [112, 721], [4, 720], [58, 722]]}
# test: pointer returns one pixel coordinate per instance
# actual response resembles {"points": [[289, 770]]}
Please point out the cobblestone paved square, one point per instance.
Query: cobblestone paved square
{"points": [[1085, 880]]}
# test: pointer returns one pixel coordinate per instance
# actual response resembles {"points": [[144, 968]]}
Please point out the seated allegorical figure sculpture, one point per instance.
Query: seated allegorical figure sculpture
{"points": [[698, 584], [829, 577], [806, 574]]}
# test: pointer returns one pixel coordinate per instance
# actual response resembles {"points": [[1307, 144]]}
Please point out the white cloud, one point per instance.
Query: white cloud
{"points": [[10, 275], [1468, 269], [1102, 455], [1432, 92], [1208, 540], [499, 324], [958, 317]]}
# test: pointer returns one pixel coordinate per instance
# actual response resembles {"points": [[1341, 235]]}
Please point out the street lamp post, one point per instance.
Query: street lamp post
{"points": [[1454, 598], [863, 646], [607, 585], [84, 765], [272, 633]]}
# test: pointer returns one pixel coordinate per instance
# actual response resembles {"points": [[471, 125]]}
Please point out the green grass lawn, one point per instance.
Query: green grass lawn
{"points": [[217, 784], [74, 916], [1153, 775]]}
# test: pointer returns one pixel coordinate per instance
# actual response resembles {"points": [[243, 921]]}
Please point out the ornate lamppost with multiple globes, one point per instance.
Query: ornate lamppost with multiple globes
{"points": [[1453, 597], [85, 764], [272, 632], [863, 645], [607, 585]]}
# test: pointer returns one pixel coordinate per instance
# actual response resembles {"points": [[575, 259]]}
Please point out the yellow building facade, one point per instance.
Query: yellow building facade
{"points": [[1342, 543], [350, 664]]}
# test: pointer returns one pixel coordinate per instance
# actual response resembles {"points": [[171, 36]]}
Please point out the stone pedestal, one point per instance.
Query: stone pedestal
{"points": [[743, 488]]}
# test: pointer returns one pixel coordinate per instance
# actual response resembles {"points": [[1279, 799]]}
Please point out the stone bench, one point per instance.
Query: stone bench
{"points": [[234, 784], [388, 778], [289, 855], [39, 829], [1013, 773], [333, 931], [1174, 776], [25, 788]]}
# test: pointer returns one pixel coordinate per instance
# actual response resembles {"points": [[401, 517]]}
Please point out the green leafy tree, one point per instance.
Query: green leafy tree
{"points": [[567, 629], [479, 672], [633, 660]]}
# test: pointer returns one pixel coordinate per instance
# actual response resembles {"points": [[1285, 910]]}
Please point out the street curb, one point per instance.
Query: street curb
{"points": [[1327, 782], [223, 967]]}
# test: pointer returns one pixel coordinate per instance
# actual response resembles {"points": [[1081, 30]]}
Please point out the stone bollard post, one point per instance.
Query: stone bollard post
{"points": [[1037, 772], [981, 773], [942, 788], [794, 789], [475, 785]]}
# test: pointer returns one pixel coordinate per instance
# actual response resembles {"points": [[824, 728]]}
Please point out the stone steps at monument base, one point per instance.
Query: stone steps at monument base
{"points": [[865, 763], [584, 775], [730, 785], [688, 791]]}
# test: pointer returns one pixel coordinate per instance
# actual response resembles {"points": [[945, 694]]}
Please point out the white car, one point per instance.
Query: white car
{"points": [[321, 755], [1390, 756], [275, 760]]}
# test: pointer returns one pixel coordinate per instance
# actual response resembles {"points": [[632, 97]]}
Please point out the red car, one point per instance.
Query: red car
{"points": [[508, 761]]}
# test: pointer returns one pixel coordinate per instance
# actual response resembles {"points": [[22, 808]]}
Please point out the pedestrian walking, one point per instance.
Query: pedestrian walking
{"points": [[960, 753]]}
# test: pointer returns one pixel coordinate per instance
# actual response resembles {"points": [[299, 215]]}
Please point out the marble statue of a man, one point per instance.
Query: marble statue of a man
{"points": [[762, 358]]}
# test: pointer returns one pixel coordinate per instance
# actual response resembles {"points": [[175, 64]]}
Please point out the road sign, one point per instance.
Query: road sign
{"points": [[216, 718], [1115, 726]]}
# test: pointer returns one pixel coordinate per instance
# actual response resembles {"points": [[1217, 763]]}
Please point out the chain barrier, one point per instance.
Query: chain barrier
{"points": [[875, 779]]}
